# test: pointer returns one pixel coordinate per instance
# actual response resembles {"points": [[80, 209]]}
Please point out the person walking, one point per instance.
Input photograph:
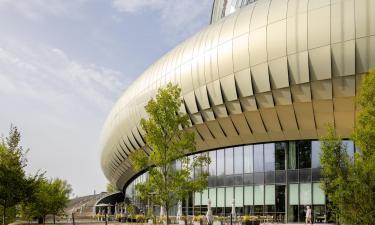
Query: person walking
{"points": [[308, 215]]}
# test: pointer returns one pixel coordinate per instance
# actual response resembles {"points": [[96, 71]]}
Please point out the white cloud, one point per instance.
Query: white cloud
{"points": [[49, 70], [39, 9], [133, 6], [179, 18], [60, 104]]}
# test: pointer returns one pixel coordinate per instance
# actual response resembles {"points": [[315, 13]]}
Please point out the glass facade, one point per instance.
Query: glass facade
{"points": [[223, 8], [276, 179]]}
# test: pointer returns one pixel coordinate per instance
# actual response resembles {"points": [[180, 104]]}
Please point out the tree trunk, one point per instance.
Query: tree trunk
{"points": [[54, 219], [44, 220], [4, 214], [167, 209]]}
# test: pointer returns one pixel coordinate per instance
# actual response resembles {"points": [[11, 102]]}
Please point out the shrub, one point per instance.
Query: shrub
{"points": [[219, 218], [249, 218], [197, 218], [140, 218]]}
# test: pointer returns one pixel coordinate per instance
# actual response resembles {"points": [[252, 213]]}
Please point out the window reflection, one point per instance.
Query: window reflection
{"points": [[280, 177], [292, 156], [223, 8], [304, 154], [212, 166], [248, 159], [229, 161], [269, 157], [248, 179], [305, 175], [349, 145], [238, 160], [258, 158], [280, 151], [315, 154], [259, 195], [258, 178], [220, 162], [270, 177]]}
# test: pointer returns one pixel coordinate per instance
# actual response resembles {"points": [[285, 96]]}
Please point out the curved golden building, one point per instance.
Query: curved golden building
{"points": [[269, 75]]}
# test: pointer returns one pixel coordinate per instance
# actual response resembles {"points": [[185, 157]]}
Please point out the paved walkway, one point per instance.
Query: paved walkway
{"points": [[118, 223]]}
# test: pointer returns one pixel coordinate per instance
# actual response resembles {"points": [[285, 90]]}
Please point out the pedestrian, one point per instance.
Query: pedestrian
{"points": [[308, 215]]}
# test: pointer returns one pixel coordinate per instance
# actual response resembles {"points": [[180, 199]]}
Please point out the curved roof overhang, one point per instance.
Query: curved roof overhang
{"points": [[274, 70]]}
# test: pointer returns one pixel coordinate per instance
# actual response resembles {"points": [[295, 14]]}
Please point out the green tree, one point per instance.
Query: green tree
{"points": [[40, 207], [350, 183], [110, 188], [59, 191], [364, 138], [15, 185], [336, 170], [166, 142], [130, 209], [27, 212], [51, 197]]}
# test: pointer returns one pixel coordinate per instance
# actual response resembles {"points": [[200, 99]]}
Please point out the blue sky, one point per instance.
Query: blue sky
{"points": [[63, 64]]}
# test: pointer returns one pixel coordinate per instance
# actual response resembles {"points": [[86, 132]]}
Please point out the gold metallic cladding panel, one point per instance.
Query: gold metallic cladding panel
{"points": [[274, 70]]}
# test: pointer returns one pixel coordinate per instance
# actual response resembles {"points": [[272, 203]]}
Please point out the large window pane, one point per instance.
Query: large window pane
{"points": [[229, 161], [197, 198], [229, 196], [248, 179], [269, 157], [280, 176], [205, 197], [292, 156], [269, 177], [198, 169], [349, 148], [238, 180], [220, 180], [259, 195], [238, 160], [304, 154], [315, 154], [220, 162], [258, 158], [280, 150], [220, 197], [212, 196], [178, 164], [270, 195], [238, 196], [316, 174], [305, 194], [305, 175], [229, 180], [318, 195], [292, 176], [248, 195], [205, 168], [293, 194], [248, 159], [212, 166], [258, 178]]}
